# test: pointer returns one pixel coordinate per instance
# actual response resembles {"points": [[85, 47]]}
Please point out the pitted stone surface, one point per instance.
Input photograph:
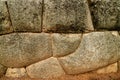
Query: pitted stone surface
{"points": [[66, 16], [22, 49], [5, 24], [2, 70], [26, 15], [16, 72], [64, 44], [97, 49], [45, 69], [106, 14]]}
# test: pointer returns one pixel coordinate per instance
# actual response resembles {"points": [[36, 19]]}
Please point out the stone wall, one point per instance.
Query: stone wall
{"points": [[51, 38]]}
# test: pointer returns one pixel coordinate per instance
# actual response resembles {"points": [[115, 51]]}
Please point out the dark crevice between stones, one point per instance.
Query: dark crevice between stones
{"points": [[73, 28], [42, 15], [6, 3]]}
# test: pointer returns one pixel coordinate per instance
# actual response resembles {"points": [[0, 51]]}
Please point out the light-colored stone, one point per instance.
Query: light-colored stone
{"points": [[22, 49], [2, 70], [66, 16], [16, 72], [45, 69], [26, 15], [109, 69], [64, 44], [106, 14], [5, 24], [97, 49]]}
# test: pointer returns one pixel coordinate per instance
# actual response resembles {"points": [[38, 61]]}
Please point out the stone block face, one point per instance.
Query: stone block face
{"points": [[66, 16], [16, 72], [26, 15], [5, 24], [64, 44], [45, 69], [97, 49], [22, 49], [106, 14], [109, 69]]}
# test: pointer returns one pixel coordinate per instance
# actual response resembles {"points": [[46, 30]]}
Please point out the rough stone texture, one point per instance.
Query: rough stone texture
{"points": [[66, 16], [22, 49], [64, 44], [26, 14], [106, 14], [109, 69], [97, 49], [45, 69], [2, 70], [118, 65], [16, 72], [5, 24]]}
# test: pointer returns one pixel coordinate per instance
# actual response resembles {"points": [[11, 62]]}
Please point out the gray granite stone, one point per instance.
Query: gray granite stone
{"points": [[26, 15], [106, 14], [66, 16], [97, 50], [23, 49]]}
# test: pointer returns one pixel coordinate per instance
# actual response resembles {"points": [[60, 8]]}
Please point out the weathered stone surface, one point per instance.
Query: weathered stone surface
{"points": [[45, 69], [64, 44], [2, 70], [16, 72], [5, 24], [118, 65], [22, 49], [26, 14], [109, 69], [106, 14], [66, 16], [97, 49]]}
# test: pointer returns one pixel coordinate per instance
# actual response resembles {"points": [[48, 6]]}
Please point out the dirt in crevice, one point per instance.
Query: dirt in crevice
{"points": [[87, 76]]}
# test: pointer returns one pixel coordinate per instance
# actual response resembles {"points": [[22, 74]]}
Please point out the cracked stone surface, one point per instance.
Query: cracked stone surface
{"points": [[97, 49], [26, 15], [22, 49], [106, 14], [64, 44], [45, 69], [2, 70], [66, 16], [5, 24]]}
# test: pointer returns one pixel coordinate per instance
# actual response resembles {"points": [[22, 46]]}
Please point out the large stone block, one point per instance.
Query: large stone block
{"points": [[22, 49], [5, 24], [66, 16], [26, 15], [106, 14], [64, 44], [97, 49], [45, 69]]}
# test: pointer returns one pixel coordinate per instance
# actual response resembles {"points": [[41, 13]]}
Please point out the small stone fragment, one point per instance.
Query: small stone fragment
{"points": [[16, 72]]}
